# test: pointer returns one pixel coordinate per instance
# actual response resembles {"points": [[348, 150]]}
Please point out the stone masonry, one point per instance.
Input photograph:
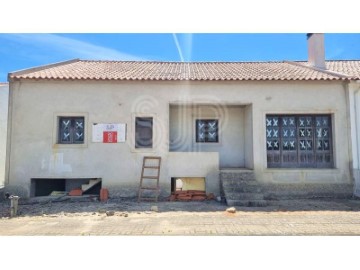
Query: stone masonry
{"points": [[241, 189]]}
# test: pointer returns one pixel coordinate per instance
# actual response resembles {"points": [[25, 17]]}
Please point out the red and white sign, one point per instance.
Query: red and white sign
{"points": [[108, 133], [110, 137]]}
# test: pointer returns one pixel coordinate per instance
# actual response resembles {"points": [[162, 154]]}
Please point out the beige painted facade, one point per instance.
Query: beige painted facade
{"points": [[4, 100], [354, 115], [35, 106]]}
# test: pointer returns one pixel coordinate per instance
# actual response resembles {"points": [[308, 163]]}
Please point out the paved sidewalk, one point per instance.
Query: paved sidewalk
{"points": [[308, 217], [241, 223]]}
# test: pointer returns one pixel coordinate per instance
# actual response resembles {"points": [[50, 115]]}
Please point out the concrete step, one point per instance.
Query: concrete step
{"points": [[247, 203], [230, 184], [227, 177], [243, 189], [244, 196], [92, 182], [237, 179]]}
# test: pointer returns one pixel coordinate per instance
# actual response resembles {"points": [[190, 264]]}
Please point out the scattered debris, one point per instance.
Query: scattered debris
{"points": [[110, 213], [57, 193], [231, 210], [154, 208], [210, 196], [190, 195]]}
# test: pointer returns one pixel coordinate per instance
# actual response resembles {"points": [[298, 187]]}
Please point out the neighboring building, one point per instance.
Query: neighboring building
{"points": [[287, 122], [4, 100]]}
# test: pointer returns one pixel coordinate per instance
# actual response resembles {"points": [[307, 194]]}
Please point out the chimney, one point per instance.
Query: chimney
{"points": [[316, 50]]}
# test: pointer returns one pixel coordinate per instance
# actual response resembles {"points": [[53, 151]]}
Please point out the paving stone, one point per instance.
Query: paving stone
{"points": [[290, 217]]}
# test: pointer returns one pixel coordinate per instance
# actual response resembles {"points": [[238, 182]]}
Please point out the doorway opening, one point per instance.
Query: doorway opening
{"points": [[52, 186], [188, 189]]}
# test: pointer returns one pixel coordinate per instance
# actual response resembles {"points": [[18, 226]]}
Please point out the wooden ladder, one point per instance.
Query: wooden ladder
{"points": [[155, 176]]}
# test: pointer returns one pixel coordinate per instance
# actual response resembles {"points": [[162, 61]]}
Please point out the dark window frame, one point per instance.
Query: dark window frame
{"points": [[207, 129], [308, 142], [141, 142], [74, 126]]}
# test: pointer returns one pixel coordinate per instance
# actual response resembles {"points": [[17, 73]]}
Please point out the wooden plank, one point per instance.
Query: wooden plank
{"points": [[149, 177], [150, 188]]}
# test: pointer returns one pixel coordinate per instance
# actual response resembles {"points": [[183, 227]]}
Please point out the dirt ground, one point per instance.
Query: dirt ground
{"points": [[86, 216], [84, 206]]}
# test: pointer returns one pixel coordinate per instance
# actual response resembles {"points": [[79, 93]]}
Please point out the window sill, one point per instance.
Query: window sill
{"points": [[143, 150], [72, 145]]}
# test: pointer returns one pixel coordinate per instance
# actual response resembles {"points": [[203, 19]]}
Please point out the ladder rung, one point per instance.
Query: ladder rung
{"points": [[149, 188], [150, 177], [154, 166]]}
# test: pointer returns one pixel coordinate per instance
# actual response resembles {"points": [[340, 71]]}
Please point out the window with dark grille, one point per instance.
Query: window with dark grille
{"points": [[71, 130], [299, 141], [143, 132], [207, 130]]}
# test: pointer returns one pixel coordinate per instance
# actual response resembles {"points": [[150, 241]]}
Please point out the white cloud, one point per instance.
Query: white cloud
{"points": [[71, 47]]}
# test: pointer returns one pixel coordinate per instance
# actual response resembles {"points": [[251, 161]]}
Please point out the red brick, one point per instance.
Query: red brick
{"points": [[104, 194], [75, 192], [198, 198], [184, 199]]}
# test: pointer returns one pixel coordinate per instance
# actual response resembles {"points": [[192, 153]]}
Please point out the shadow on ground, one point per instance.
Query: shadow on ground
{"points": [[73, 206]]}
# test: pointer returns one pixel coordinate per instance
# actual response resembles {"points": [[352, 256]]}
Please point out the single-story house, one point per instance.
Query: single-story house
{"points": [[292, 127]]}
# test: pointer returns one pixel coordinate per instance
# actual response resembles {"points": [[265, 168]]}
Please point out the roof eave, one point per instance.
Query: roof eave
{"points": [[12, 75]]}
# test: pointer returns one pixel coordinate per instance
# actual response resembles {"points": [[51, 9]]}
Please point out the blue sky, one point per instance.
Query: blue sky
{"points": [[19, 51]]}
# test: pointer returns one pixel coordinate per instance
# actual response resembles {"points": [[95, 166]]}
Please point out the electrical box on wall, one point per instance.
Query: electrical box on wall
{"points": [[108, 133]]}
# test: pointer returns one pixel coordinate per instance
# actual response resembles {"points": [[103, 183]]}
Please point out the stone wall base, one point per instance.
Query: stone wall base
{"points": [[307, 191], [131, 191]]}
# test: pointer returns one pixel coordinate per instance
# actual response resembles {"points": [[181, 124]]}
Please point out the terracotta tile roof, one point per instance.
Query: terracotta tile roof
{"points": [[194, 71], [348, 67]]}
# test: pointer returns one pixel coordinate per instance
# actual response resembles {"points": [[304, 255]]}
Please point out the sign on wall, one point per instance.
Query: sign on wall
{"points": [[108, 133]]}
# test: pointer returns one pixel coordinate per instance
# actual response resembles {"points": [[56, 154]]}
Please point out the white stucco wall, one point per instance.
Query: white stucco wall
{"points": [[36, 105], [248, 138], [231, 132], [4, 95], [354, 113]]}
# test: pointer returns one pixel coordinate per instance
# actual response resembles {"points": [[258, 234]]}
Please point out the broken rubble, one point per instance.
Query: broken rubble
{"points": [[231, 210], [110, 213]]}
